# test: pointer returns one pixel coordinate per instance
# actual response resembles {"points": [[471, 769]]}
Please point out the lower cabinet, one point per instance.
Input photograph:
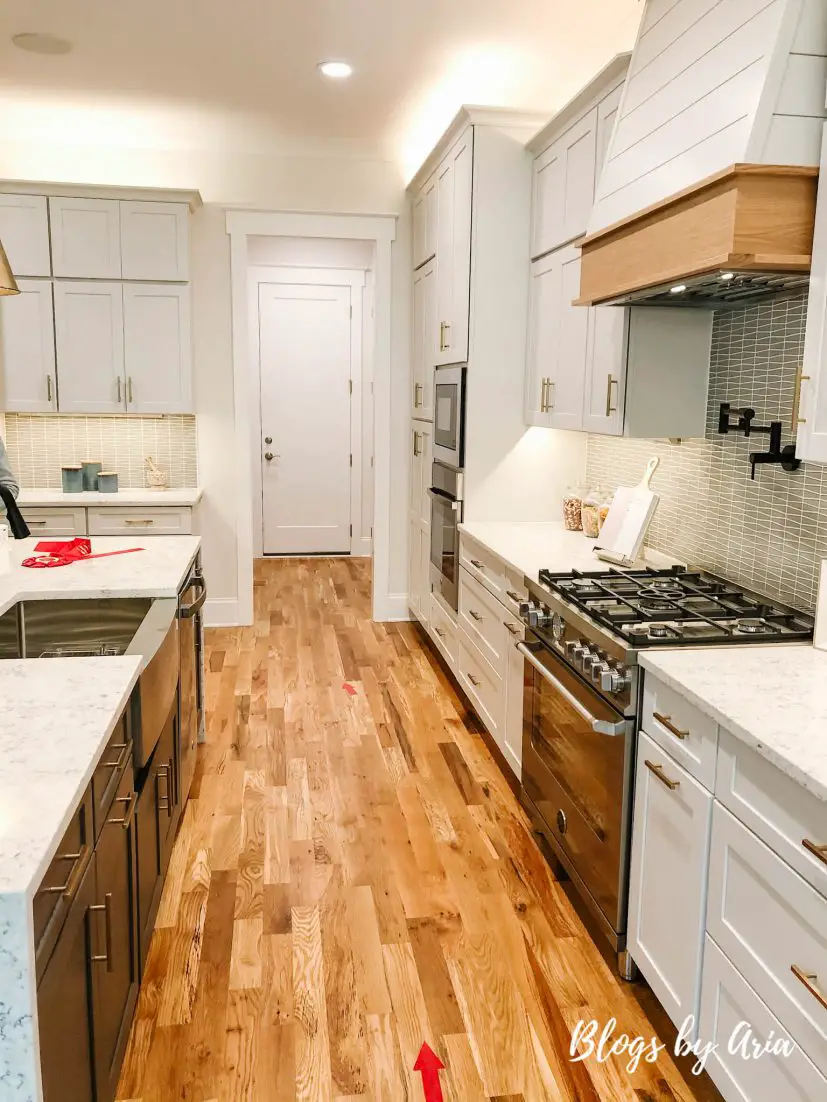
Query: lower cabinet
{"points": [[419, 550], [667, 892], [514, 682], [108, 520]]}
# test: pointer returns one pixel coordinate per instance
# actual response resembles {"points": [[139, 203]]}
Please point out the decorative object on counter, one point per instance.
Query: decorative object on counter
{"points": [[65, 552], [572, 509], [603, 511], [590, 514], [71, 479], [628, 519], [91, 469], [108, 482], [775, 453], [156, 479]]}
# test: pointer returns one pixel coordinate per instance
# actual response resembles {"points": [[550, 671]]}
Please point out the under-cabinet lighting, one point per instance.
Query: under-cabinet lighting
{"points": [[727, 276], [678, 289]]}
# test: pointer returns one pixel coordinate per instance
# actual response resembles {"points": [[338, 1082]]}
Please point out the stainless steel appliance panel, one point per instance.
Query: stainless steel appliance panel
{"points": [[446, 516], [449, 415], [190, 617]]}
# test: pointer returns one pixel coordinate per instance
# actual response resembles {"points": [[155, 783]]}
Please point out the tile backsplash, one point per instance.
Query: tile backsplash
{"points": [[770, 534], [39, 445]]}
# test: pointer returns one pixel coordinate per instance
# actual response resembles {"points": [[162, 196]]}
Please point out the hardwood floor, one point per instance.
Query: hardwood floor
{"points": [[353, 877]]}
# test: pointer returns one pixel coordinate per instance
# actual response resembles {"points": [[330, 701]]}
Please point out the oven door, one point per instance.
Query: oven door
{"points": [[449, 402], [445, 517], [576, 761]]}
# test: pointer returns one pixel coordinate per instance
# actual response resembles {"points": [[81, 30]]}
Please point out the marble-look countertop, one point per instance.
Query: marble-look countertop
{"points": [[56, 717], [774, 698], [187, 496], [157, 570]]}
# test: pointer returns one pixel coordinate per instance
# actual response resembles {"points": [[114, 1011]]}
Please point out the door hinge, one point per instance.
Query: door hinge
{"points": [[350, 386], [351, 311], [351, 529], [351, 459]]}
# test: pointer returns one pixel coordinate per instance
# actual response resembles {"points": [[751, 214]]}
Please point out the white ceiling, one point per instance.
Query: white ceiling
{"points": [[248, 67]]}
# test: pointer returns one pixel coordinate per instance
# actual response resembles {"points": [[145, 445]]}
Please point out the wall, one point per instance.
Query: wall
{"points": [[769, 534], [39, 445], [233, 179]]}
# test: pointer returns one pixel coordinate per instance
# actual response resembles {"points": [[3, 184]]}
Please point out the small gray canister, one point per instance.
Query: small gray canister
{"points": [[91, 470], [108, 482], [71, 479]]}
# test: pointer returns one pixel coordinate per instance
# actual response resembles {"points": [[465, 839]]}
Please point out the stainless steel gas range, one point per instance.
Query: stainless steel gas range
{"points": [[582, 692]]}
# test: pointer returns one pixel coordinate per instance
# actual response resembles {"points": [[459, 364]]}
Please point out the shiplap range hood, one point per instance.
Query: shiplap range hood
{"points": [[708, 192]]}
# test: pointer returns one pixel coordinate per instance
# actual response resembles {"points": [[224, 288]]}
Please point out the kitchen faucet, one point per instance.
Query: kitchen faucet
{"points": [[18, 526]]}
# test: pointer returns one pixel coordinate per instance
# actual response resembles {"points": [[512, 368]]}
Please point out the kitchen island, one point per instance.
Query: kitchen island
{"points": [[57, 718]]}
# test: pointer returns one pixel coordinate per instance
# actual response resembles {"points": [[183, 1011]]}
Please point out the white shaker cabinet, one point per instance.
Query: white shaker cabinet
{"points": [[811, 415], [89, 339], [156, 348], [564, 180], [421, 458], [425, 223], [86, 239], [27, 349], [424, 348], [667, 890], [419, 570], [24, 231], [154, 241], [454, 179]]}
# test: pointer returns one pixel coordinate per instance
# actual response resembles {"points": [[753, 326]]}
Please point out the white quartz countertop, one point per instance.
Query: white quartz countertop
{"points": [[188, 496], [157, 570], [774, 698]]}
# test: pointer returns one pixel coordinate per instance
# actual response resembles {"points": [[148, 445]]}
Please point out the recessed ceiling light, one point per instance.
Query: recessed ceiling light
{"points": [[336, 70], [37, 43], [678, 289]]}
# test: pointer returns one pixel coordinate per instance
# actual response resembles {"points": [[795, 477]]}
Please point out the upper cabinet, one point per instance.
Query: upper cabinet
{"points": [[453, 269], [27, 348], [24, 231], [157, 344], [424, 349], [425, 223], [155, 241], [89, 342], [86, 238]]}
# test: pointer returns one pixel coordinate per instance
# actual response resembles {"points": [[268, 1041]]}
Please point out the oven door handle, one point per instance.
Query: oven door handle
{"points": [[599, 726], [444, 498]]}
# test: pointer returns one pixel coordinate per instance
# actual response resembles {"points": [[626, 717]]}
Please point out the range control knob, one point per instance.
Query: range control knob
{"points": [[590, 661], [525, 608], [598, 670], [539, 618], [578, 651], [614, 681]]}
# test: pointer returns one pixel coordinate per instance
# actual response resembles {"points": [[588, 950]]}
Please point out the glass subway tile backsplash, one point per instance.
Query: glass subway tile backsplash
{"points": [[39, 445], [770, 534]]}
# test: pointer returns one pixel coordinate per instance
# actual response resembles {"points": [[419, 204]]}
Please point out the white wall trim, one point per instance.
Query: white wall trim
{"points": [[221, 612], [393, 609], [382, 230]]}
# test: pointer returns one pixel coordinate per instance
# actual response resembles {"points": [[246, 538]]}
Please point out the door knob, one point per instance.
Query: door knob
{"points": [[268, 456], [268, 439]]}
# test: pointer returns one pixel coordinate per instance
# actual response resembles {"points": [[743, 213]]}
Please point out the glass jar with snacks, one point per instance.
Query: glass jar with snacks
{"points": [[590, 514], [572, 501], [603, 511]]}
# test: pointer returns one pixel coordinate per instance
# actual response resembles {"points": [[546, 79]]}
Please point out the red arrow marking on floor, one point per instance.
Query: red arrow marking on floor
{"points": [[346, 685], [430, 1065]]}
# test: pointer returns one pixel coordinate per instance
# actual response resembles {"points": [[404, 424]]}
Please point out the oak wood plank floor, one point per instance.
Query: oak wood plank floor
{"points": [[353, 876]]}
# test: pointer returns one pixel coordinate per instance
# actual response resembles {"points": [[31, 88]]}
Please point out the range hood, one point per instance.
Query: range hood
{"points": [[711, 170]]}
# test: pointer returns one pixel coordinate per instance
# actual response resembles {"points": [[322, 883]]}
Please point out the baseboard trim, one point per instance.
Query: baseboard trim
{"points": [[391, 608], [221, 612]]}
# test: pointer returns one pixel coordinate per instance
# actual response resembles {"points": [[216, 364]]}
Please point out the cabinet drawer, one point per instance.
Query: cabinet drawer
{"points": [[484, 688], [482, 619], [55, 522], [515, 590], [444, 631], [681, 729], [115, 521], [59, 885], [779, 811], [768, 920], [727, 1001], [482, 565], [107, 776]]}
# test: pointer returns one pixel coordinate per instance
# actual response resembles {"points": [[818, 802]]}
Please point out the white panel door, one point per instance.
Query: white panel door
{"points": [[24, 231], [564, 179], [453, 254], [86, 239], [157, 348], [604, 396], [89, 340], [424, 350], [27, 348], [305, 360], [667, 890], [811, 443], [155, 241]]}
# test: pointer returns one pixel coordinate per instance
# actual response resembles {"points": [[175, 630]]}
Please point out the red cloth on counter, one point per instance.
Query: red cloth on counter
{"points": [[64, 552]]}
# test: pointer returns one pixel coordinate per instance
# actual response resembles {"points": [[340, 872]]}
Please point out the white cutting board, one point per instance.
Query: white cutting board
{"points": [[820, 639], [631, 512]]}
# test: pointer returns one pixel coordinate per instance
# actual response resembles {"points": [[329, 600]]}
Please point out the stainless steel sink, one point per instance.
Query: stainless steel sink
{"points": [[55, 629]]}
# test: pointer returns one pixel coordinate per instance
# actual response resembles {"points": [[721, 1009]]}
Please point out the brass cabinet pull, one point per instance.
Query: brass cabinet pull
{"points": [[166, 804], [138, 523], [416, 449], [418, 388], [479, 565], [444, 343], [125, 750], [514, 596], [106, 956], [439, 632], [129, 390], [475, 681], [36, 523], [809, 981], [81, 860], [550, 384], [817, 851], [120, 392], [666, 721], [512, 628], [797, 419], [131, 802], [49, 388], [543, 384], [659, 773], [475, 615], [612, 381]]}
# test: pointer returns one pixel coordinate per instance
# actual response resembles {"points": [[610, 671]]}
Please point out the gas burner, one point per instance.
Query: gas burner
{"points": [[662, 631], [753, 627], [655, 604], [644, 633], [662, 590]]}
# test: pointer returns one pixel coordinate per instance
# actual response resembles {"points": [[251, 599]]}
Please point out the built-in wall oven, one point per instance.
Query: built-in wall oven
{"points": [[446, 516], [449, 415]]}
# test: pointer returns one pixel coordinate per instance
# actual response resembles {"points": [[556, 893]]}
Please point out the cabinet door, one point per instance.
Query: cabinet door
{"points": [[424, 350], [604, 397], [24, 231], [564, 180], [421, 459], [415, 580], [27, 347], [515, 674], [454, 181], [64, 1026], [114, 940], [425, 223], [811, 415], [86, 239], [89, 341], [148, 822], [668, 882], [155, 241], [157, 348]]}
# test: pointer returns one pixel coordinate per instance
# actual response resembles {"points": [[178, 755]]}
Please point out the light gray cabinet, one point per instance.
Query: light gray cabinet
{"points": [[89, 338], [157, 348], [27, 348], [24, 231], [85, 237]]}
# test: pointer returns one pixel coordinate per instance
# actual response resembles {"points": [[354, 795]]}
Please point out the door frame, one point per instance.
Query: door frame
{"points": [[353, 278], [381, 229]]}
